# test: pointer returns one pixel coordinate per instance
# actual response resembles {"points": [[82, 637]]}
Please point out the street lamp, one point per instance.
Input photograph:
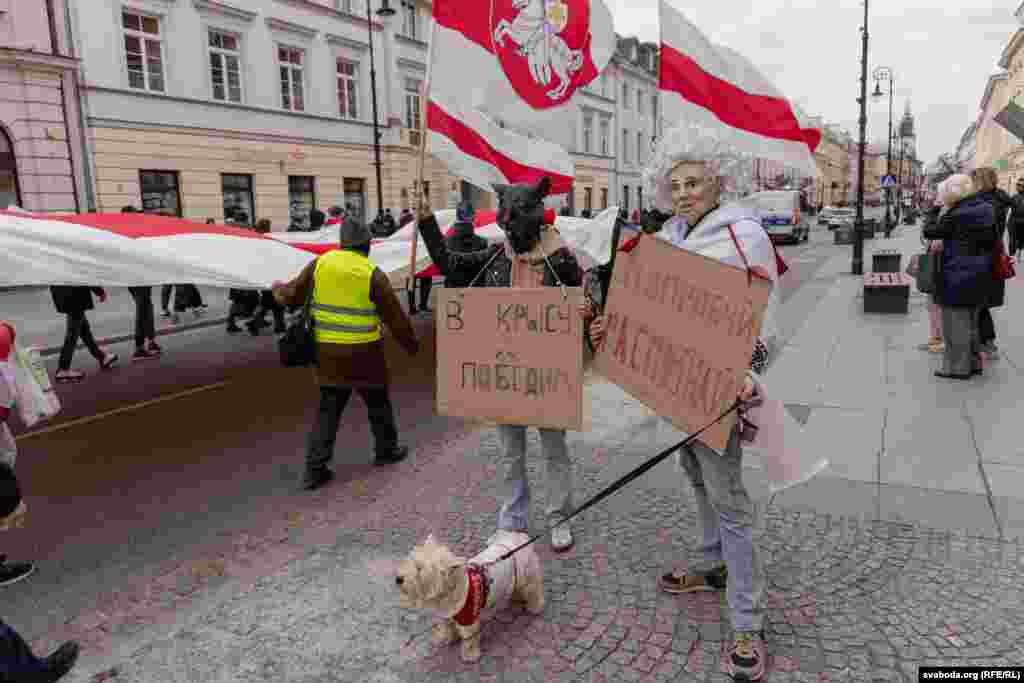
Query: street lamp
{"points": [[884, 73], [857, 265], [384, 11]]}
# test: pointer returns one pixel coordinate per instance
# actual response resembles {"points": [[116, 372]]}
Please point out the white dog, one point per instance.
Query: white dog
{"points": [[433, 578]]}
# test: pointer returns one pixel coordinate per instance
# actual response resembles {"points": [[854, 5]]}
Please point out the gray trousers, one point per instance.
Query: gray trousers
{"points": [[960, 330], [728, 518], [515, 509]]}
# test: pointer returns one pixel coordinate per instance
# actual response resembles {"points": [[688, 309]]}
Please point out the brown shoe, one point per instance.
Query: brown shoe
{"points": [[683, 582]]}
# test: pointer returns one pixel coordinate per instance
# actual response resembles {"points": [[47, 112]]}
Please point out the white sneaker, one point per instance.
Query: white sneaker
{"points": [[561, 537]]}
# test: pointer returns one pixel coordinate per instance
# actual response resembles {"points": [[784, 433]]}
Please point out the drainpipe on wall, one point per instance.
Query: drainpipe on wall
{"points": [[55, 50], [90, 189]]}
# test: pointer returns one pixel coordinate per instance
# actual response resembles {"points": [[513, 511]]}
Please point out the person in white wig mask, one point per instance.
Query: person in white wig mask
{"points": [[692, 170]]}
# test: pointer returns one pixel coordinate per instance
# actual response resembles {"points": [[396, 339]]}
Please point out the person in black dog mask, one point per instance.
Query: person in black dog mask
{"points": [[532, 255]]}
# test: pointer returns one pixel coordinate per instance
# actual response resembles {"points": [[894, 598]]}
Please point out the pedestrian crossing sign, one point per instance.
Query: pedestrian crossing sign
{"points": [[888, 181]]}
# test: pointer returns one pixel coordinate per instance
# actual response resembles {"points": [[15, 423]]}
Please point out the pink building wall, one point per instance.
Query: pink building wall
{"points": [[39, 105]]}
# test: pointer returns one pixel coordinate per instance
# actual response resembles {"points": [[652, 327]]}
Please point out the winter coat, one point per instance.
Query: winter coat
{"points": [[72, 300], [1002, 204], [356, 365], [1017, 211], [464, 241], [968, 237]]}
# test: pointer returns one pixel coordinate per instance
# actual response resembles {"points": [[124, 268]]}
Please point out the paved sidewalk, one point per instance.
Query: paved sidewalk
{"points": [[855, 594], [39, 324]]}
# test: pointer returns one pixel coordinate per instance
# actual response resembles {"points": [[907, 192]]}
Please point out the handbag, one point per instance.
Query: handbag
{"points": [[927, 276], [1004, 268], [298, 345]]}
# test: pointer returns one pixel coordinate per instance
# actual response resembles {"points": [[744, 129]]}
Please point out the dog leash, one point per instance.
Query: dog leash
{"points": [[623, 481]]}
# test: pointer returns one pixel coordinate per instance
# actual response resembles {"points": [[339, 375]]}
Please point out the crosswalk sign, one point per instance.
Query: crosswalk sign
{"points": [[888, 181]]}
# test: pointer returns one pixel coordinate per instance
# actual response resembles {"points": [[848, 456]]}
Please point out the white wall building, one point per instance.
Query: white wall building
{"points": [[222, 108]]}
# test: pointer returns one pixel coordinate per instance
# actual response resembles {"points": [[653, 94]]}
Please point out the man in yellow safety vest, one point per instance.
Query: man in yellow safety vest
{"points": [[352, 298]]}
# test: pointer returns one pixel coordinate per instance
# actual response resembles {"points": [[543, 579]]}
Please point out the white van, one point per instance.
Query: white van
{"points": [[780, 215]]}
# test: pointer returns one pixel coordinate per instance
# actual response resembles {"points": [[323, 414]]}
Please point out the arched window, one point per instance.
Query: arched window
{"points": [[8, 173]]}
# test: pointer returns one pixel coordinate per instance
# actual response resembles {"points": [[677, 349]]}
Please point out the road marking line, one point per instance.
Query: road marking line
{"points": [[117, 411]]}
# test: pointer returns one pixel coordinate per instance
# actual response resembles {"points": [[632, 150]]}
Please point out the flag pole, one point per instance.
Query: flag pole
{"points": [[421, 201]]}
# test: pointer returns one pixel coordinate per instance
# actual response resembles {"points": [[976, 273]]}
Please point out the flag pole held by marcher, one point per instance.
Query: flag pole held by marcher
{"points": [[410, 281]]}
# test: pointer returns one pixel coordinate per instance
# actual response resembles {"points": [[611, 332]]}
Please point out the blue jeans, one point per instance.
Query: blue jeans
{"points": [[515, 510], [728, 517], [17, 663]]}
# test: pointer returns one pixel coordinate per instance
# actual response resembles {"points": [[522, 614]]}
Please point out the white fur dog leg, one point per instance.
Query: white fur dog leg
{"points": [[444, 632], [470, 641]]}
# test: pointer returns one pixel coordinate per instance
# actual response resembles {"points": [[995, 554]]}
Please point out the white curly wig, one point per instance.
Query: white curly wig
{"points": [[694, 142]]}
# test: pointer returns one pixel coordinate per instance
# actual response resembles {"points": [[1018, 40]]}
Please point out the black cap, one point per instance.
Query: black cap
{"points": [[353, 234]]}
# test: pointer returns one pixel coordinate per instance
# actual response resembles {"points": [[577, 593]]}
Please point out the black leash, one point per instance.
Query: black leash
{"points": [[625, 479]]}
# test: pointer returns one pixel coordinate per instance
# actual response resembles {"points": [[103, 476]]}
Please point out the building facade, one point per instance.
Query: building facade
{"points": [[833, 157], [240, 111], [42, 163]]}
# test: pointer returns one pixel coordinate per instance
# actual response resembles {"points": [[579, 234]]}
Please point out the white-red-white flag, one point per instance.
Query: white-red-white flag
{"points": [[714, 86], [520, 62]]}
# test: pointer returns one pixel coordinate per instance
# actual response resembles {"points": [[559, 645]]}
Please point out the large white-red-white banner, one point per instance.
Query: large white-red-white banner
{"points": [[125, 250], [518, 62], [715, 86]]}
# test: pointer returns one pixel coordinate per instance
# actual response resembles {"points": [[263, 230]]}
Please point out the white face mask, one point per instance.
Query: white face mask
{"points": [[695, 192]]}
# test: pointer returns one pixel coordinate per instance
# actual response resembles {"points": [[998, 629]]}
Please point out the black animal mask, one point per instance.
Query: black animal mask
{"points": [[521, 213]]}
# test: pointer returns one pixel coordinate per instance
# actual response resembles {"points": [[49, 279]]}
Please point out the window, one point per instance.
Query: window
{"points": [[641, 154], [625, 146], [239, 204], [413, 88], [301, 199], [347, 6], [640, 197], [588, 133], [290, 63], [588, 199], [604, 198], [605, 137], [8, 173], [225, 70], [143, 51], [625, 95], [625, 197], [348, 89], [654, 109], [355, 198], [160, 193], [410, 19], [639, 101]]}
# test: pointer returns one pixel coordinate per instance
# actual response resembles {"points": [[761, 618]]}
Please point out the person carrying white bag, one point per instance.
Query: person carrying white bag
{"points": [[34, 396], [11, 572]]}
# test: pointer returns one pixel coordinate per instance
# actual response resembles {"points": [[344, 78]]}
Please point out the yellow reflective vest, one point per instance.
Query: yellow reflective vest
{"points": [[341, 308]]}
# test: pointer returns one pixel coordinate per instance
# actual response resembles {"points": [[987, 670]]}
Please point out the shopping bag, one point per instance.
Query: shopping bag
{"points": [[35, 398], [927, 276]]}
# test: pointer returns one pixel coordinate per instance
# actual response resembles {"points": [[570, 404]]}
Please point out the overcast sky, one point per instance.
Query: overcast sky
{"points": [[942, 53]]}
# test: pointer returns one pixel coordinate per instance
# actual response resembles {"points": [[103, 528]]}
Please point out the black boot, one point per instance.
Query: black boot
{"points": [[391, 456], [60, 662]]}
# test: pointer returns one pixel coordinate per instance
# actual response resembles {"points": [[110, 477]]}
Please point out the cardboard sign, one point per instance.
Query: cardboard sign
{"points": [[511, 356], [680, 333]]}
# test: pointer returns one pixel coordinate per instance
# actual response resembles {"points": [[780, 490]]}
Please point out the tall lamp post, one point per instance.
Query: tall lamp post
{"points": [[384, 11], [884, 73], [899, 179], [857, 266]]}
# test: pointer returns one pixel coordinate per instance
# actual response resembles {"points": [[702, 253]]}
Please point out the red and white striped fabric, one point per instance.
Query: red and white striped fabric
{"points": [[125, 250], [717, 87], [477, 150]]}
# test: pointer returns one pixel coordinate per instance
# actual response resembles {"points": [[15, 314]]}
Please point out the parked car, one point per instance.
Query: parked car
{"points": [[842, 218], [780, 215]]}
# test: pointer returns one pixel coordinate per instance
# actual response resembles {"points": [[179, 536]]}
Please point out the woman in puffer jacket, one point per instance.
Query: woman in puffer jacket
{"points": [[967, 231]]}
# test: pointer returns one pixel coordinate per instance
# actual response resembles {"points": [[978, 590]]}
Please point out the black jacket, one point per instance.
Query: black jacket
{"points": [[72, 299], [1001, 204], [1017, 211], [466, 266], [464, 241], [968, 235]]}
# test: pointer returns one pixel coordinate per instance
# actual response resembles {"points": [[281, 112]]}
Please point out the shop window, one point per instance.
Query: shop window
{"points": [[239, 202], [301, 199], [290, 62], [604, 198], [143, 50], [588, 199], [355, 198], [225, 67], [161, 192], [8, 174]]}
